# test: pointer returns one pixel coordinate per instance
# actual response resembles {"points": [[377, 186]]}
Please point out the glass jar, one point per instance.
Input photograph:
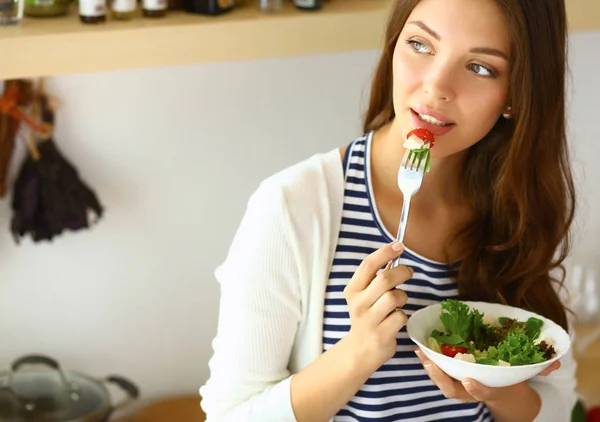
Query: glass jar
{"points": [[11, 11], [46, 8]]}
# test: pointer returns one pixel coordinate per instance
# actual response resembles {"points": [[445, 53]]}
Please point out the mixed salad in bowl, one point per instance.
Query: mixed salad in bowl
{"points": [[472, 336]]}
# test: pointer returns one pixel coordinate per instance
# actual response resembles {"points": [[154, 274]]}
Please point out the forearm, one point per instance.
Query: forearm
{"points": [[321, 389], [520, 404]]}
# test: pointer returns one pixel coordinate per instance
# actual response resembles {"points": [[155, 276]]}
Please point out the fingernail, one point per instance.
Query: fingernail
{"points": [[466, 383], [397, 246], [418, 352]]}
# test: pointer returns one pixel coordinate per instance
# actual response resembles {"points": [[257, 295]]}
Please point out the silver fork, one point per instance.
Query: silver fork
{"points": [[410, 177]]}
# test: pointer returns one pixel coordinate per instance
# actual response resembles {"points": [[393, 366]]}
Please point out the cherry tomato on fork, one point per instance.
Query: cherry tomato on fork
{"points": [[424, 134]]}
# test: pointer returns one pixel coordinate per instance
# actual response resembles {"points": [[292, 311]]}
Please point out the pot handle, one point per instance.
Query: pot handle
{"points": [[129, 387], [35, 359], [41, 360]]}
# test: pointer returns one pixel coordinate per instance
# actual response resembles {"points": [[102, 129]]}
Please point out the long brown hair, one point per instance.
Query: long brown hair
{"points": [[518, 179]]}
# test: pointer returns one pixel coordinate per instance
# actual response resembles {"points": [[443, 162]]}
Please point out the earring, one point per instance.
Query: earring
{"points": [[507, 115]]}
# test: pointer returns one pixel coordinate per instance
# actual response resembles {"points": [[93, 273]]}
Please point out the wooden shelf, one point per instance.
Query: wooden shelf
{"points": [[63, 45], [583, 15]]}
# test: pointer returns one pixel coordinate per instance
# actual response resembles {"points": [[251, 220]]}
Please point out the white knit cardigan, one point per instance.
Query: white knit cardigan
{"points": [[273, 284]]}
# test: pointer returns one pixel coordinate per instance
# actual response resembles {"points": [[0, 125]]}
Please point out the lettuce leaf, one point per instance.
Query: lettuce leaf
{"points": [[463, 325], [518, 349], [512, 342], [488, 356], [456, 318], [534, 327], [452, 339]]}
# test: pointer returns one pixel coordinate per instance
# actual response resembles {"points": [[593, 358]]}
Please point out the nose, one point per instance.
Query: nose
{"points": [[438, 82]]}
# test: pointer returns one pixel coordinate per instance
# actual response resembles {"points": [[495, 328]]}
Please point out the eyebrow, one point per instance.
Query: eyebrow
{"points": [[481, 50]]}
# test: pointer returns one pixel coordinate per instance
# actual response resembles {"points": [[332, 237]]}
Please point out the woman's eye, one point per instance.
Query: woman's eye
{"points": [[481, 70], [418, 47]]}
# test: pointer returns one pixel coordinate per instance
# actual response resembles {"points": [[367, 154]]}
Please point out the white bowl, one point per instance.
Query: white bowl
{"points": [[424, 321]]}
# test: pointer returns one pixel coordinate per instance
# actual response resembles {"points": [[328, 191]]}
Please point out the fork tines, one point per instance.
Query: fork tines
{"points": [[414, 161]]}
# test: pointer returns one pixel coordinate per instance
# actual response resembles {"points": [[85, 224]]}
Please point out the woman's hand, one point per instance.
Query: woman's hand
{"points": [[470, 390], [374, 305], [512, 403], [323, 387]]}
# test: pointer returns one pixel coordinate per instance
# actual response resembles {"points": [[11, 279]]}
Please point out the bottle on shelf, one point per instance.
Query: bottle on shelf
{"points": [[174, 4], [155, 8], [123, 9], [308, 4], [92, 11], [208, 7], [270, 5]]}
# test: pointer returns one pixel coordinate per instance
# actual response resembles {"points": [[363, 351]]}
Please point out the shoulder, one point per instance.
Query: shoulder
{"points": [[309, 189], [308, 170], [320, 171], [318, 177]]}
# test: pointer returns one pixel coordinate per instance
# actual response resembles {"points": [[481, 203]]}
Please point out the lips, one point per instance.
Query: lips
{"points": [[435, 129], [435, 114]]}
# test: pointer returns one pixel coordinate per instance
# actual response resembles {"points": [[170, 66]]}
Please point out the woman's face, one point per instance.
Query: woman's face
{"points": [[451, 63]]}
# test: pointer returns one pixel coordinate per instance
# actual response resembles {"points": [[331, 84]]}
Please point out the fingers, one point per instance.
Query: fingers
{"points": [[449, 387], [388, 302], [368, 268], [385, 281], [553, 367], [469, 390], [478, 391], [394, 322]]}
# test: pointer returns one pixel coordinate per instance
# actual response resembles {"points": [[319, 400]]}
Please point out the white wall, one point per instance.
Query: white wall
{"points": [[585, 140], [174, 154]]}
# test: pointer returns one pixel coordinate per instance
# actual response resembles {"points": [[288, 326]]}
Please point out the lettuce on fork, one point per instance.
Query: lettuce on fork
{"points": [[467, 336]]}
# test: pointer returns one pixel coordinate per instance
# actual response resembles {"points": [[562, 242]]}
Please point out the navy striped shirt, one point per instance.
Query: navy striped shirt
{"points": [[400, 390]]}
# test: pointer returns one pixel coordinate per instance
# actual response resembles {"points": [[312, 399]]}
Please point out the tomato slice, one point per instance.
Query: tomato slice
{"points": [[450, 350], [424, 134]]}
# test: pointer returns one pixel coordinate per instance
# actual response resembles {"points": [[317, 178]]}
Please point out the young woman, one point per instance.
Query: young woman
{"points": [[312, 319]]}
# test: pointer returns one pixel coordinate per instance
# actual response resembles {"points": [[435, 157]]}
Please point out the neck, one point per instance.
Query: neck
{"points": [[442, 186]]}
